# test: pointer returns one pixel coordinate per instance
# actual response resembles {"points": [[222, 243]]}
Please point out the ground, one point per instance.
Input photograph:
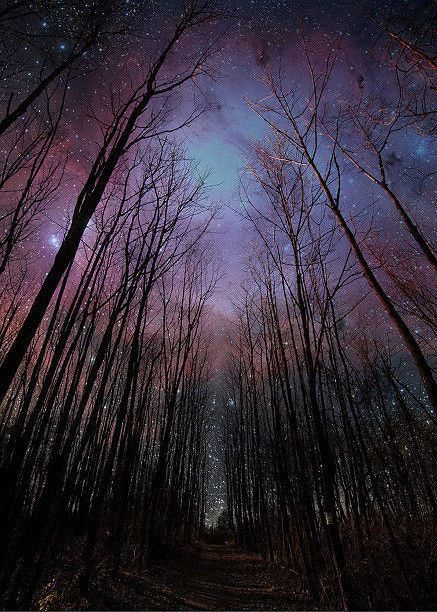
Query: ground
{"points": [[209, 577]]}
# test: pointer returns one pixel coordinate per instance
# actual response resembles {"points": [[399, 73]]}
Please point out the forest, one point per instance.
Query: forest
{"points": [[218, 305]]}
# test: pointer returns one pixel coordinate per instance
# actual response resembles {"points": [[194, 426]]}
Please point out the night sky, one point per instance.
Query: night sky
{"points": [[259, 36]]}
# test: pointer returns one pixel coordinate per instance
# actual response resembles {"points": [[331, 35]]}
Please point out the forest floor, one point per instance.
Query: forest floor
{"points": [[209, 577]]}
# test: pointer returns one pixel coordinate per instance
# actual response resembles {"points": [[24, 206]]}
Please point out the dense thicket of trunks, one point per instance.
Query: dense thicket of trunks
{"points": [[103, 373], [330, 449]]}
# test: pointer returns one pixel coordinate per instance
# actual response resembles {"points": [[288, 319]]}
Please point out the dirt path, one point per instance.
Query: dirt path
{"points": [[214, 577]]}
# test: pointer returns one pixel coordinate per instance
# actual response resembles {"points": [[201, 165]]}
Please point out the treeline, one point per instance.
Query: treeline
{"points": [[104, 363], [330, 443]]}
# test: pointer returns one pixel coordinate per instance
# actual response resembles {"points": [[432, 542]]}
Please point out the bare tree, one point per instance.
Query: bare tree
{"points": [[297, 120], [124, 132]]}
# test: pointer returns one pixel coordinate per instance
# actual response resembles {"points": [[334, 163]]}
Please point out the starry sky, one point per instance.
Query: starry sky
{"points": [[259, 35], [262, 36]]}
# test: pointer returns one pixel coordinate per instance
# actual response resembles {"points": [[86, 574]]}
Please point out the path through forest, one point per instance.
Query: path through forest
{"points": [[211, 577]]}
